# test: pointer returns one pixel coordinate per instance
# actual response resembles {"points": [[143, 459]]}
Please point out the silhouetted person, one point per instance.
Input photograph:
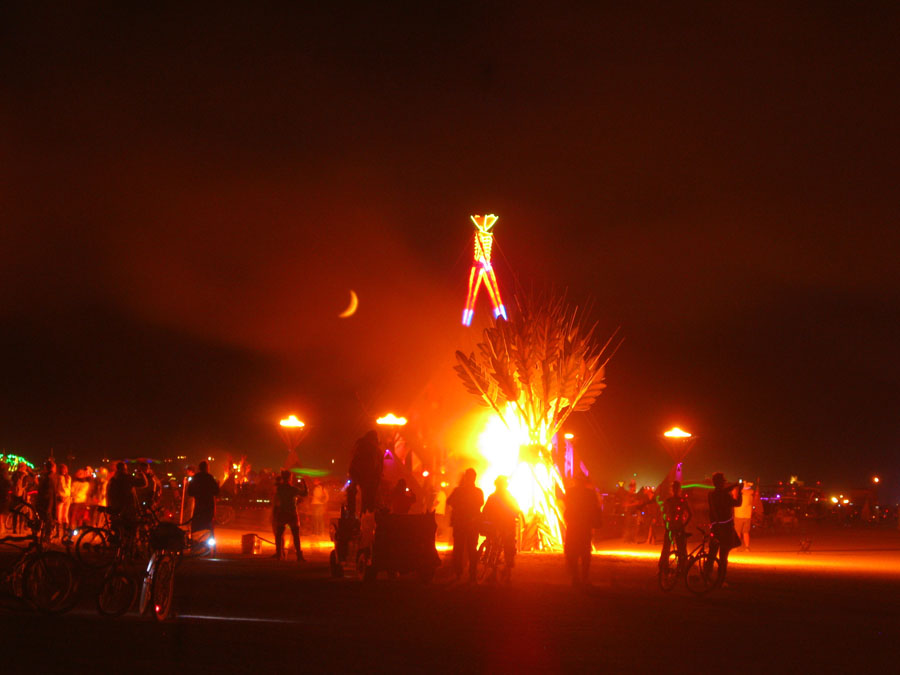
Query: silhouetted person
{"points": [[466, 501], [581, 514], [284, 513], [147, 485], [721, 520], [402, 498], [204, 489], [632, 504], [500, 513], [45, 500], [365, 469], [676, 515], [121, 499]]}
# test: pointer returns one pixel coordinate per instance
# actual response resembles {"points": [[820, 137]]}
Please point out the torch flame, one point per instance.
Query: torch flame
{"points": [[392, 419]]}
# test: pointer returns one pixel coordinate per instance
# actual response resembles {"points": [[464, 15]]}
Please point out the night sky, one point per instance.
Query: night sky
{"points": [[190, 194]]}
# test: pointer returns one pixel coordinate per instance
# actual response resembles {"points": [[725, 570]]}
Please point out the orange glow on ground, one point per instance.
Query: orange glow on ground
{"points": [[883, 558], [853, 563]]}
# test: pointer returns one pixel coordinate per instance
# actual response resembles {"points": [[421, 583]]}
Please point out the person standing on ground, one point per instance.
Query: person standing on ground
{"points": [[743, 516], [466, 502], [21, 480], [721, 520], [98, 496], [45, 500], [148, 486], [632, 504], [440, 510], [120, 494], [204, 489], [500, 513], [366, 468], [63, 498], [81, 485], [319, 501], [285, 513], [676, 515], [581, 515]]}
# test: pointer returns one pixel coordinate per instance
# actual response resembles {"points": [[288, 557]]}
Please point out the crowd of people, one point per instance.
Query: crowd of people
{"points": [[63, 501]]}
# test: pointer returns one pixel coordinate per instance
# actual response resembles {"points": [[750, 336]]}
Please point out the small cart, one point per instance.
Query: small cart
{"points": [[403, 543]]}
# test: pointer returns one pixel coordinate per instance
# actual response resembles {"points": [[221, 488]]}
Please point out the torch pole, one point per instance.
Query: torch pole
{"points": [[183, 491]]}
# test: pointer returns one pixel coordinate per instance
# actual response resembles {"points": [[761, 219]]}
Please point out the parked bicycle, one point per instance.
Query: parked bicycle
{"points": [[44, 579], [701, 573], [97, 547], [169, 542]]}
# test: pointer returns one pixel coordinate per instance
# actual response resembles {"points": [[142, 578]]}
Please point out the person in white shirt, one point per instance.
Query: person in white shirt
{"points": [[743, 516]]}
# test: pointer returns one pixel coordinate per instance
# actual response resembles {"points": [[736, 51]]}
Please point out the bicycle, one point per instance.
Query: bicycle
{"points": [[169, 542], [97, 547], [490, 554], [119, 587], [46, 580], [701, 573]]}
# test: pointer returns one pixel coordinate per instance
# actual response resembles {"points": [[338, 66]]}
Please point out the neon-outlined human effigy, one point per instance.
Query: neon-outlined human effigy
{"points": [[482, 271]]}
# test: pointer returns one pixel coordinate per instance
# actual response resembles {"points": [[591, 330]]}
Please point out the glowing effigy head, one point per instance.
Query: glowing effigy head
{"points": [[485, 223]]}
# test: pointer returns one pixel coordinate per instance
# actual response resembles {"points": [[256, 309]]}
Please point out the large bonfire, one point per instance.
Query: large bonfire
{"points": [[534, 370]]}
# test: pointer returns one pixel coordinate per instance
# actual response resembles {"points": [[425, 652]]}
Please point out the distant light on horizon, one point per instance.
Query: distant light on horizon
{"points": [[675, 432]]}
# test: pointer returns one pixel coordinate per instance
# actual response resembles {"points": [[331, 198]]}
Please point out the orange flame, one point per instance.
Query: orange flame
{"points": [[392, 419], [533, 479]]}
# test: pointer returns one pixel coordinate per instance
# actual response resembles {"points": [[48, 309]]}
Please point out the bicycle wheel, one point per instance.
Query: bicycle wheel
{"points": [[489, 558], [164, 587], [703, 574], [224, 515], [93, 548], [117, 593], [147, 586], [668, 575], [50, 581]]}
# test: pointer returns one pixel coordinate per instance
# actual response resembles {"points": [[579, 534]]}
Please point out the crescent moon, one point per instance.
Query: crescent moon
{"points": [[351, 308]]}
